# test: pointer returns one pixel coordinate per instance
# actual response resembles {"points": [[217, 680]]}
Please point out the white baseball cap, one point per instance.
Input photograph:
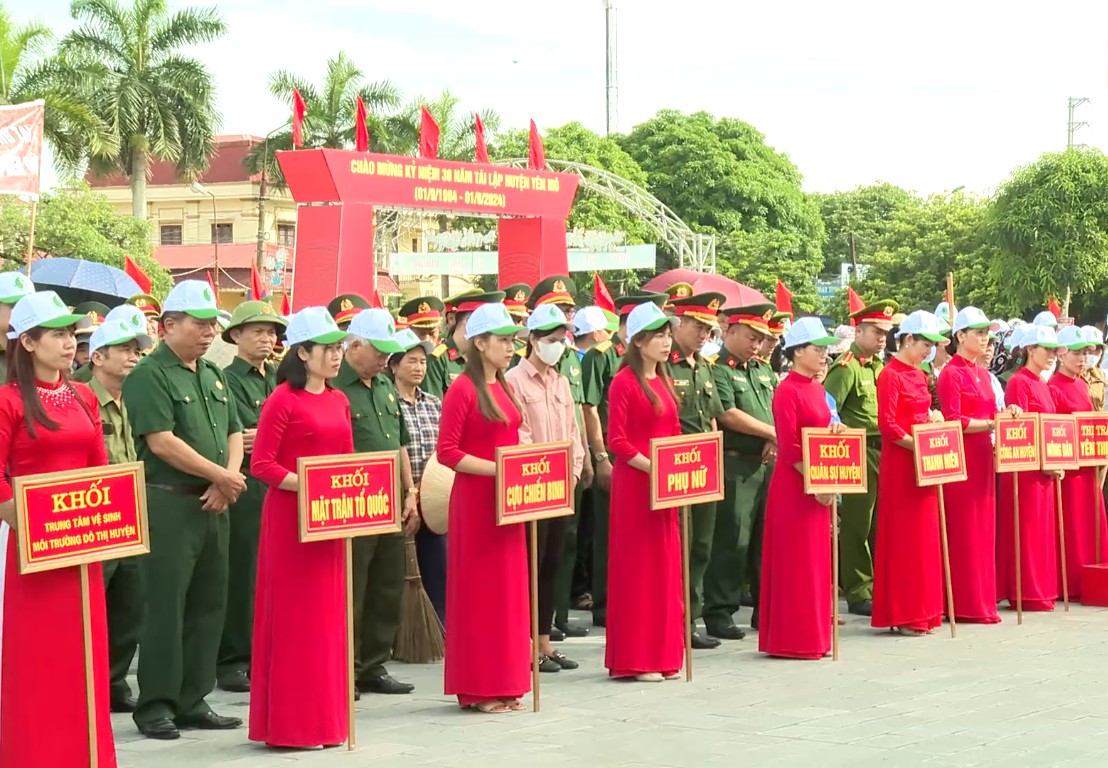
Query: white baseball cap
{"points": [[492, 318], [971, 318], [409, 341], [1040, 336], [923, 324], [1072, 338], [647, 317], [43, 309], [942, 312], [808, 330], [547, 317], [313, 324], [378, 328], [193, 297], [1015, 340], [14, 286], [126, 312], [1093, 335], [121, 329], [1046, 318], [1000, 327], [590, 319]]}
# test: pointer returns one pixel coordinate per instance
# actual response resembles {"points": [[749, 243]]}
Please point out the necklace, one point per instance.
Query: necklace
{"points": [[58, 397]]}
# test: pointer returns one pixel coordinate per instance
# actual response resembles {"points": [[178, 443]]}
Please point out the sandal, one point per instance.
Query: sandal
{"points": [[515, 705], [561, 660], [650, 677], [909, 632], [492, 707]]}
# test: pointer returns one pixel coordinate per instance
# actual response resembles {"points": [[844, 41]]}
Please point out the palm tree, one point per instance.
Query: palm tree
{"points": [[28, 72], [158, 102], [330, 120], [457, 129]]}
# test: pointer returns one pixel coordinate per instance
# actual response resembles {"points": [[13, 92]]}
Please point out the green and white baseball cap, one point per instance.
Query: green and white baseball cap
{"points": [[1072, 338], [313, 324], [124, 327], [193, 297], [589, 319], [46, 310], [547, 317], [1039, 336], [647, 317], [409, 341], [971, 318], [378, 328], [492, 318], [14, 286], [1093, 335], [1045, 318], [925, 325], [808, 330]]}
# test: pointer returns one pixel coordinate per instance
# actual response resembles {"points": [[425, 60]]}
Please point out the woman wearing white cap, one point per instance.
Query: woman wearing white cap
{"points": [[1081, 515], [48, 424], [1038, 530], [795, 606], [1094, 374], [298, 673], [488, 653], [646, 635]]}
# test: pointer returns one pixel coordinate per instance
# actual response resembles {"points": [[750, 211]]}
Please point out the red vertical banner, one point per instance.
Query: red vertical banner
{"points": [[21, 127], [602, 297], [854, 303], [428, 135], [536, 155], [784, 298], [299, 109], [361, 138], [134, 271], [482, 153]]}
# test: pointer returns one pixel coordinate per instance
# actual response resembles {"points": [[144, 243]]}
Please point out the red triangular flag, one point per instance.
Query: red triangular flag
{"points": [[428, 135], [375, 301], [255, 283], [1054, 308], [286, 307], [602, 297], [361, 140], [536, 154], [784, 298], [298, 110], [211, 284], [482, 148], [134, 271], [855, 303]]}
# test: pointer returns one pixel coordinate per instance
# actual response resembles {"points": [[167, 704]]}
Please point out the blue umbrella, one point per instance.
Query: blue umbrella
{"points": [[76, 281]]}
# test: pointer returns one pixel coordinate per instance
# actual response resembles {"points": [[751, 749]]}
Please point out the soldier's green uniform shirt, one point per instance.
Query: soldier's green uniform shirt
{"points": [[83, 374], [748, 387], [444, 365], [597, 370], [700, 400], [374, 411], [250, 388], [117, 427], [853, 384]]}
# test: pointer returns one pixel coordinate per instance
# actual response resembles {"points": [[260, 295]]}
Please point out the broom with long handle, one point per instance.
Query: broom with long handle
{"points": [[419, 639]]}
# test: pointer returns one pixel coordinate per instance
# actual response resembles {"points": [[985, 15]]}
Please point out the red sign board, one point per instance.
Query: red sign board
{"points": [[349, 495], [1017, 443], [21, 127], [533, 482], [1059, 440], [334, 175], [1092, 439], [834, 463], [84, 516], [686, 470], [940, 455]]}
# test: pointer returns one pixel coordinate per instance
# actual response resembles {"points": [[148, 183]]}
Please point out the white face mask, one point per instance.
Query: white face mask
{"points": [[1091, 361], [711, 347], [550, 353]]}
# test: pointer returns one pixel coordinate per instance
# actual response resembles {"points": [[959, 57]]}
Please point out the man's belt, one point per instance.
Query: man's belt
{"points": [[180, 490], [740, 455]]}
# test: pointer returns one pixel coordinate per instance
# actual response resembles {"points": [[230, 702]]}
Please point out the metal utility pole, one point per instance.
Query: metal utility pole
{"points": [[611, 78], [1072, 126]]}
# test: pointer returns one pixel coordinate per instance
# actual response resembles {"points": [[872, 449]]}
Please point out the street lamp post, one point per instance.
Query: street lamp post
{"points": [[199, 189]]}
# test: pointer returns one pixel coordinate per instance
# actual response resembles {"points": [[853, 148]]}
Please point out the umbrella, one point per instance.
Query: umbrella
{"points": [[76, 280], [738, 295]]}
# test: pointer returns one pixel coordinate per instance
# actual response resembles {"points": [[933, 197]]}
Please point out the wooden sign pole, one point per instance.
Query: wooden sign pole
{"points": [[685, 585], [351, 723], [90, 684], [835, 578], [946, 564], [536, 694], [1062, 542], [1016, 538]]}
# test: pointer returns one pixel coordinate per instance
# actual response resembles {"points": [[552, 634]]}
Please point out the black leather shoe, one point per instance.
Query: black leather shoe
{"points": [[700, 643], [557, 635], [864, 608], [160, 728], [235, 682], [385, 684], [209, 721], [726, 633], [125, 704], [754, 620], [572, 630]]}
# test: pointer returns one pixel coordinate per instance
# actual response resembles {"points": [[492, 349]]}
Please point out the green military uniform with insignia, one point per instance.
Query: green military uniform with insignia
{"points": [[699, 406], [423, 316], [736, 547], [249, 387], [852, 382], [185, 574], [446, 362]]}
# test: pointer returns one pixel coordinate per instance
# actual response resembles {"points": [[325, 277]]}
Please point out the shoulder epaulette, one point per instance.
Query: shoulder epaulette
{"points": [[438, 351], [522, 351], [712, 359], [846, 358], [603, 346]]}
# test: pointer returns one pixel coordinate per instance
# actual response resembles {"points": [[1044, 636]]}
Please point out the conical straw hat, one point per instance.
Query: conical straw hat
{"points": [[434, 494]]}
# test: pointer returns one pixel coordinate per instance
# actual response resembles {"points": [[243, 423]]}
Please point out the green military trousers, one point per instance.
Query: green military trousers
{"points": [[702, 525], [242, 576], [564, 584], [736, 550], [184, 579], [379, 571], [858, 533], [124, 598]]}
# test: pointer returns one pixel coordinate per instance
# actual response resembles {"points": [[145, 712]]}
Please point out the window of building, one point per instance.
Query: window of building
{"points": [[222, 233], [170, 234], [415, 245], [286, 234]]}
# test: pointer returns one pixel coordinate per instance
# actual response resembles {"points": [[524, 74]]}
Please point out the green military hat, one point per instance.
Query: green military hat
{"points": [[254, 312], [624, 304], [880, 313], [423, 312], [703, 307], [344, 306], [756, 316], [472, 299], [150, 306], [515, 299], [780, 323], [95, 311], [556, 289]]}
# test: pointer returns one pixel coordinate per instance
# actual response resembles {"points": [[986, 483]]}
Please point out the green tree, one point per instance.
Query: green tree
{"points": [[457, 127], [28, 72], [158, 102], [80, 224], [865, 212], [330, 118]]}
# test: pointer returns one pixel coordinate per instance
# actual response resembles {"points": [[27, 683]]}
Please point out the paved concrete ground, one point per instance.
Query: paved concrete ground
{"points": [[1035, 695]]}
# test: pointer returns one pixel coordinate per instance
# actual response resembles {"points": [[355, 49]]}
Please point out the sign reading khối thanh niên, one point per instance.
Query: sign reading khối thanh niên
{"points": [[349, 495], [686, 470], [940, 455], [533, 482], [834, 463]]}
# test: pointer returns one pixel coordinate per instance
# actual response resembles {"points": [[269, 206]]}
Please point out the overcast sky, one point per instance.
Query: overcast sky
{"points": [[928, 95]]}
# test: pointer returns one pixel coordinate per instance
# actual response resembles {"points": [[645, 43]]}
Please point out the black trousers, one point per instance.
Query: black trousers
{"points": [[431, 553], [551, 542]]}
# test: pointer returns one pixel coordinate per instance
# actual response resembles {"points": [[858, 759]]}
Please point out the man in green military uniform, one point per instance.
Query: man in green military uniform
{"points": [[852, 382], [189, 435], [115, 349], [598, 368], [424, 317], [448, 359], [699, 408], [746, 389], [254, 329], [379, 561], [13, 287], [97, 312]]}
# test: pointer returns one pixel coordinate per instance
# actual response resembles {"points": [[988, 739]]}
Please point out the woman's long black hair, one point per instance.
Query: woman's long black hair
{"points": [[21, 372], [294, 370]]}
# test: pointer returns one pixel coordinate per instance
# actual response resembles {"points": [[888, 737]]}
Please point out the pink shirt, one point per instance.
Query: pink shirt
{"points": [[548, 411]]}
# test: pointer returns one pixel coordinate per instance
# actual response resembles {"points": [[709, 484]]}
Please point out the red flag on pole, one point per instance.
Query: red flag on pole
{"points": [[375, 300], [211, 284], [536, 156], [298, 110], [286, 308], [255, 283], [21, 150], [482, 148], [361, 141], [1054, 307], [855, 303], [134, 271], [784, 298], [428, 135], [602, 297]]}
